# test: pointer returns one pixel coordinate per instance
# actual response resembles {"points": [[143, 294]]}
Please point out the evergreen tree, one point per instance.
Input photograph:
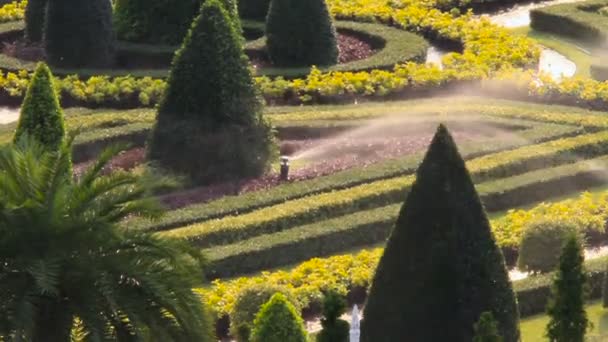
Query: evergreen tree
{"points": [[301, 33], [566, 307], [278, 321], [160, 21], [334, 328], [35, 13], [224, 129], [441, 267], [79, 33], [486, 329], [41, 116]]}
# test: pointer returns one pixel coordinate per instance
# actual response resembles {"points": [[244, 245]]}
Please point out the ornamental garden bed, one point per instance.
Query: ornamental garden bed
{"points": [[364, 46]]}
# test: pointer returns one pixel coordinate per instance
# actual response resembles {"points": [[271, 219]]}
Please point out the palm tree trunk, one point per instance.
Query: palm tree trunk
{"points": [[53, 322]]}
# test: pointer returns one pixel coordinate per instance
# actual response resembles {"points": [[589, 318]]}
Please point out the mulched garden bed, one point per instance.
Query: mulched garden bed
{"points": [[351, 47]]}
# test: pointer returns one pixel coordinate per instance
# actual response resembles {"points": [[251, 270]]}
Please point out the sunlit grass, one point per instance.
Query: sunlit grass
{"points": [[533, 328]]}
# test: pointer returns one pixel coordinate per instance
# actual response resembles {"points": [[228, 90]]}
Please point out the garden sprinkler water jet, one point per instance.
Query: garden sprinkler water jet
{"points": [[284, 169]]}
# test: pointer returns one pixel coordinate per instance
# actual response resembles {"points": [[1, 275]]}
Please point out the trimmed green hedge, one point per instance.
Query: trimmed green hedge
{"points": [[244, 203], [577, 20], [533, 292], [254, 9], [373, 226], [385, 192], [393, 46]]}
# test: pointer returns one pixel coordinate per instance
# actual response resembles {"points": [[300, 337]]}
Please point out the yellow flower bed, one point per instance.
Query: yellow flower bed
{"points": [[308, 280], [13, 11]]}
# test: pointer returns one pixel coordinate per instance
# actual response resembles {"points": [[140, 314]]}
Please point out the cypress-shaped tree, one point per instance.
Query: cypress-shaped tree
{"points": [[211, 108], [566, 307], [35, 13], [278, 321], [160, 21], [441, 267], [301, 33], [486, 329], [334, 328], [41, 117], [79, 33]]}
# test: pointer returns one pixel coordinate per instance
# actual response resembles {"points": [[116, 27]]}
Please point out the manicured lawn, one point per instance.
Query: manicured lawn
{"points": [[533, 328], [579, 54]]}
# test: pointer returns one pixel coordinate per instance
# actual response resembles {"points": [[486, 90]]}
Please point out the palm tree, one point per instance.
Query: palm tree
{"points": [[68, 271]]}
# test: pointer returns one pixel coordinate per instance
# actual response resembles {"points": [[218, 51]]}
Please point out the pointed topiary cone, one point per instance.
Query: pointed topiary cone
{"points": [[441, 268], [41, 116]]}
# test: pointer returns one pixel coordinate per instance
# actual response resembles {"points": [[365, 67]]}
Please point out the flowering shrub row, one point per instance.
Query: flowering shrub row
{"points": [[13, 11]]}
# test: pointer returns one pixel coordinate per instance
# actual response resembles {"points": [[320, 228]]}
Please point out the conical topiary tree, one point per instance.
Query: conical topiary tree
{"points": [[566, 307], [79, 33], [301, 33], [160, 21], [209, 123], [35, 13], [41, 116], [486, 329], [441, 267], [278, 321]]}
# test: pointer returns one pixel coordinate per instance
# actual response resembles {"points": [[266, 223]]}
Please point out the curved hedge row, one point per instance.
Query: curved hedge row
{"points": [[578, 20], [351, 275], [487, 48]]}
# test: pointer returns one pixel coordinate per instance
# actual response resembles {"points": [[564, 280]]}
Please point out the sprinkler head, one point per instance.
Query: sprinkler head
{"points": [[284, 168]]}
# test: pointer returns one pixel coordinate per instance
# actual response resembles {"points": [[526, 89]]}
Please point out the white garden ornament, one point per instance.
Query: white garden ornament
{"points": [[355, 331]]}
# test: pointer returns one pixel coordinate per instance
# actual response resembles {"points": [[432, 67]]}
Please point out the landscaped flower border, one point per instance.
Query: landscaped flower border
{"points": [[487, 48]]}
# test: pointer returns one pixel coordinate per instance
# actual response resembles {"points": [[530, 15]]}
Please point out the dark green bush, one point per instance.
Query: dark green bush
{"points": [[41, 115], [278, 321], [334, 328], [35, 13], [301, 33], [79, 33], [542, 243], [486, 329], [209, 124], [442, 236], [159, 21], [605, 290], [154, 21], [248, 304], [253, 9]]}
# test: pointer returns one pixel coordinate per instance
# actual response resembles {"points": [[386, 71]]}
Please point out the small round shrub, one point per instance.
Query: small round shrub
{"points": [[248, 304], [79, 33], [542, 243], [334, 328], [278, 321], [301, 33]]}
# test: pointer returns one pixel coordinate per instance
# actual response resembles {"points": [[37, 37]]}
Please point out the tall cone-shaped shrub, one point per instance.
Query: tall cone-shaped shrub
{"points": [[41, 115], [566, 307], [209, 124], [278, 321], [301, 33], [35, 13], [160, 21], [441, 268], [79, 33]]}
